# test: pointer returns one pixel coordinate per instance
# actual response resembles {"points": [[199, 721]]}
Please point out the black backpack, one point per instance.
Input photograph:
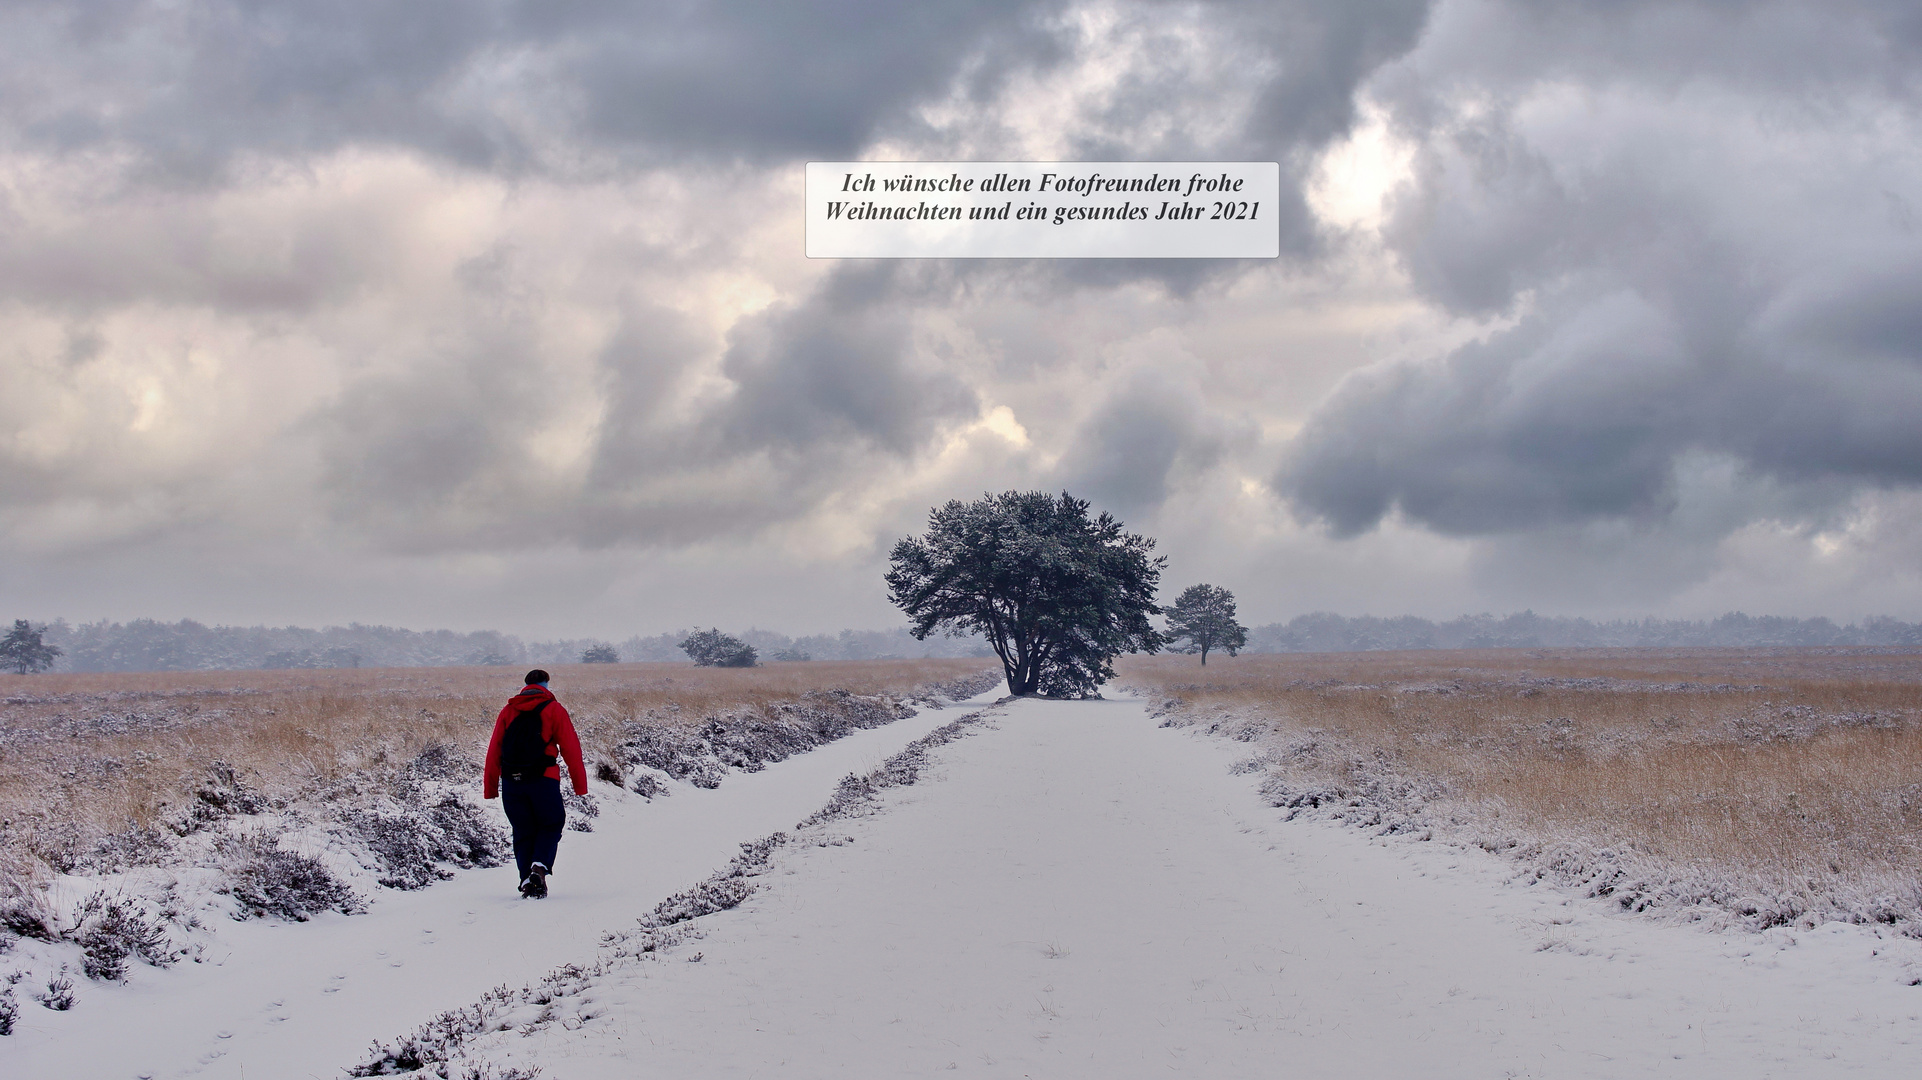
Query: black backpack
{"points": [[522, 748]]}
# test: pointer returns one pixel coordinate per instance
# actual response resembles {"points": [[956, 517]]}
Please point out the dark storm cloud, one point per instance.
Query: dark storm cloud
{"points": [[189, 85], [1322, 53], [840, 368], [515, 86], [1305, 61], [1148, 434], [775, 80], [488, 83], [1716, 269], [1532, 429], [820, 391]]}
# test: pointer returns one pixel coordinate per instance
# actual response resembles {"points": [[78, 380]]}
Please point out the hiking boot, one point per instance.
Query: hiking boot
{"points": [[535, 886]]}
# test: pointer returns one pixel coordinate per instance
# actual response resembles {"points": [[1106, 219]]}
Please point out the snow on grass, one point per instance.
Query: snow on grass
{"points": [[285, 802], [272, 997], [1753, 787]]}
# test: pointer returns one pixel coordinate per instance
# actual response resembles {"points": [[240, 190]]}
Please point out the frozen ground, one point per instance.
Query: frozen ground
{"points": [[1071, 891]]}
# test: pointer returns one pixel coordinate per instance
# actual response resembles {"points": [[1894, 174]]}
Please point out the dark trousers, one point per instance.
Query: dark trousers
{"points": [[535, 810]]}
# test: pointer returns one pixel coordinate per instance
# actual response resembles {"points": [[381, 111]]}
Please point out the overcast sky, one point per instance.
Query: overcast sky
{"points": [[495, 314]]}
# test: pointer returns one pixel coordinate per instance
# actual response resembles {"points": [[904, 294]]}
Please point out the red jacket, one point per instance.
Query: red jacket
{"points": [[556, 729]]}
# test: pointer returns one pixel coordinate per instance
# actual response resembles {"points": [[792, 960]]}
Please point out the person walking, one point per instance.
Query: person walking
{"points": [[523, 770]]}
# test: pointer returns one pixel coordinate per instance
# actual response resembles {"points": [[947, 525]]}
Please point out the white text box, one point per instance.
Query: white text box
{"points": [[1043, 210]]}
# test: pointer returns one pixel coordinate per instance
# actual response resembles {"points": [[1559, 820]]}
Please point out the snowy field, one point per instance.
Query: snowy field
{"points": [[1069, 890], [279, 999], [1076, 892]]}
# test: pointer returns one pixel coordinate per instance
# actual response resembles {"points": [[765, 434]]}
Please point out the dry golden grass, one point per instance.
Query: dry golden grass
{"points": [[86, 754], [1789, 771]]}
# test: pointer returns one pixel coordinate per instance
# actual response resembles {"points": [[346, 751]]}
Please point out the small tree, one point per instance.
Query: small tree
{"points": [[1057, 594], [600, 654], [711, 648], [1204, 615], [24, 652]]}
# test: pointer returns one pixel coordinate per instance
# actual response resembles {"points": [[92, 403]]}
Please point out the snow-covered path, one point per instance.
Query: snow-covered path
{"points": [[280, 1000], [1075, 892]]}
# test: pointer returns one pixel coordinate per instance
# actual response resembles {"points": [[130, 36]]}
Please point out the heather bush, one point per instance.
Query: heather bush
{"points": [[58, 995], [412, 842], [581, 811], [109, 930], [267, 880]]}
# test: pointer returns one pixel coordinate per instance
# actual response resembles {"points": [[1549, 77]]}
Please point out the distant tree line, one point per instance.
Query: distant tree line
{"points": [[146, 645], [1323, 632]]}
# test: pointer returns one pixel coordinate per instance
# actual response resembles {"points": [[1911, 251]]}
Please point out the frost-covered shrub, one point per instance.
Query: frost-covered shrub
{"points": [[647, 783], [269, 881], [61, 844], [22, 911], [136, 846], [58, 995], [221, 795], [856, 795], [959, 689], [706, 898], [681, 754], [9, 1008], [438, 1047], [401, 844], [581, 811], [724, 890], [488, 1071], [749, 742], [109, 930], [412, 841], [469, 838], [442, 761]]}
